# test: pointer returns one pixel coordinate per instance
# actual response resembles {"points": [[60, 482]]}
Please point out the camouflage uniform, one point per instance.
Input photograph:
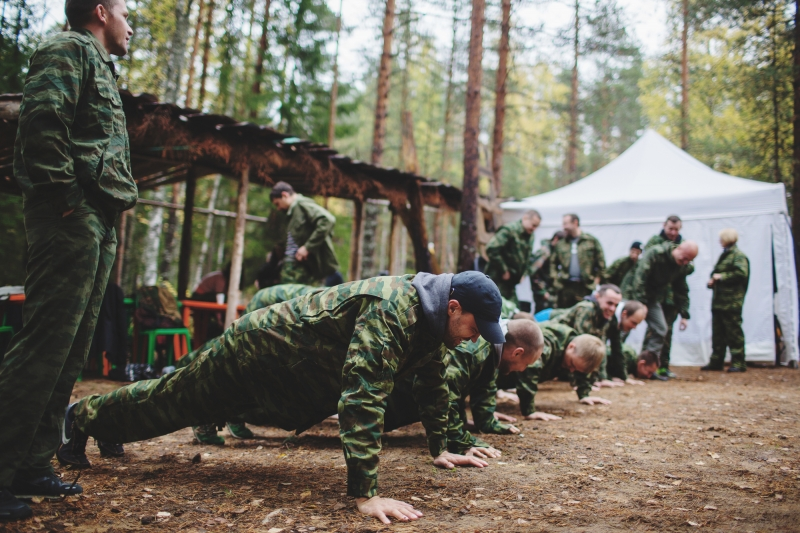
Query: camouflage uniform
{"points": [[659, 281], [509, 309], [509, 250], [550, 366], [584, 317], [592, 264], [71, 153], [541, 282], [277, 294], [628, 359], [668, 305], [726, 307], [310, 225], [620, 273], [337, 350]]}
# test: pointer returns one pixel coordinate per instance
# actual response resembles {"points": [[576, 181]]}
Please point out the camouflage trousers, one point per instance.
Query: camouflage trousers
{"points": [[726, 332], [572, 292], [670, 315], [69, 262], [297, 272]]}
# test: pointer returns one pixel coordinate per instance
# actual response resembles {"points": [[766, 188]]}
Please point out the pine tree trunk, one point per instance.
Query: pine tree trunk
{"points": [[448, 99], [153, 240], [262, 54], [777, 175], [335, 86], [198, 26], [796, 144], [572, 148], [500, 101], [206, 53], [379, 131], [201, 258], [685, 78], [177, 51], [168, 253], [468, 234]]}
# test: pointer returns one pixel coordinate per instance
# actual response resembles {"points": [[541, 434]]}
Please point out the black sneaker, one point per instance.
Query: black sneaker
{"points": [[11, 508], [49, 486], [72, 450], [711, 368], [110, 449], [659, 377], [737, 369]]}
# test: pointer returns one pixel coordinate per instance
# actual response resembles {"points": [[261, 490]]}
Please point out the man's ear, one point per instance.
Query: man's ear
{"points": [[453, 306], [518, 351], [102, 13]]}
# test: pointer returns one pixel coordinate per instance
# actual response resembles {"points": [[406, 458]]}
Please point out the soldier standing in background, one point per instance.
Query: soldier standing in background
{"points": [[509, 253], [309, 249], [541, 282], [620, 273], [72, 162], [670, 233], [729, 281], [576, 263]]}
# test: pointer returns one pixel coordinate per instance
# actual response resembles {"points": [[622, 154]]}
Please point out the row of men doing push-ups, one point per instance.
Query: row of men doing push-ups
{"points": [[381, 353]]}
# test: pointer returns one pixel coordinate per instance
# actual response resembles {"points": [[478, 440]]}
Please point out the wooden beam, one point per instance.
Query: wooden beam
{"points": [[356, 241], [118, 262], [186, 237], [238, 248], [215, 212]]}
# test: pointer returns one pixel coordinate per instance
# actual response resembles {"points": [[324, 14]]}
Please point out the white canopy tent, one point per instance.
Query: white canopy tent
{"points": [[629, 199]]}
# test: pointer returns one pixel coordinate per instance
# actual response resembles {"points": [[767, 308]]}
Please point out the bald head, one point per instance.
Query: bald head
{"points": [[685, 252]]}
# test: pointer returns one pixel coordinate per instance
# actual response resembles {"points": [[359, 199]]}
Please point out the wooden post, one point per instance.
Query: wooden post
{"points": [[396, 266], [186, 237], [414, 220], [238, 248], [356, 241], [123, 223]]}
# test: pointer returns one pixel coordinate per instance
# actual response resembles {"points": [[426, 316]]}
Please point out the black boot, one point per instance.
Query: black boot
{"points": [[110, 449], [47, 486], [11, 508], [72, 451], [716, 368]]}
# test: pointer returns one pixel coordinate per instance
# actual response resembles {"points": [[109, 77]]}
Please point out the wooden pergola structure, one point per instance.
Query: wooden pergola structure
{"points": [[171, 144]]}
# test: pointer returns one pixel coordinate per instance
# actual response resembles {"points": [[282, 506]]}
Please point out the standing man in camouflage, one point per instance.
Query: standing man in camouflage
{"points": [[544, 296], [661, 269], [729, 280], [576, 264], [309, 249], [620, 273], [72, 162], [509, 253], [337, 350], [670, 233]]}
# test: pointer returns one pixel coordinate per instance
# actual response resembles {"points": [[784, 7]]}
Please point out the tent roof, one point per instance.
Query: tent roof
{"points": [[653, 179]]}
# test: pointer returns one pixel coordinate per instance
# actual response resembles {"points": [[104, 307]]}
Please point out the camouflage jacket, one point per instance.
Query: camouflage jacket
{"points": [[550, 366], [311, 225], [620, 365], [656, 273], [509, 250], [583, 317], [540, 269], [277, 294], [509, 309], [655, 240], [341, 350], [72, 142], [618, 272], [590, 258], [729, 291]]}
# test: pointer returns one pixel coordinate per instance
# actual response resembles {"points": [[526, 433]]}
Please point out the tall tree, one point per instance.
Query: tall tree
{"points": [[258, 77], [685, 77], [448, 98], [335, 86], [501, 81], [207, 31], [198, 27], [796, 144], [572, 143], [177, 50], [468, 234], [384, 72]]}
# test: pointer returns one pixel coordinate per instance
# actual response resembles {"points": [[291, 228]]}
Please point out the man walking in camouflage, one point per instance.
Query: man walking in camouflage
{"points": [[661, 269], [620, 273], [72, 162], [509, 253], [670, 233], [337, 350], [576, 264], [729, 281], [309, 249]]}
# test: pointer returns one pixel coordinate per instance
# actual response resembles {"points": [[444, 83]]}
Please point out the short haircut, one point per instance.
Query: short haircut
{"points": [[574, 218], [591, 350], [532, 213], [279, 188], [558, 235], [522, 315], [632, 307], [79, 12], [728, 236], [649, 357], [525, 334], [602, 289], [675, 219]]}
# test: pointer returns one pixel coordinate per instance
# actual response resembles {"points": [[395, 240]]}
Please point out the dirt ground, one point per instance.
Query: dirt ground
{"points": [[709, 451]]}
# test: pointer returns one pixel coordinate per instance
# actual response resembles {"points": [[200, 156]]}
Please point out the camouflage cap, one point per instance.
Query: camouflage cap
{"points": [[478, 294]]}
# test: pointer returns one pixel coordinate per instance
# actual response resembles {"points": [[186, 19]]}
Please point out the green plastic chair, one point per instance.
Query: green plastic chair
{"points": [[175, 346]]}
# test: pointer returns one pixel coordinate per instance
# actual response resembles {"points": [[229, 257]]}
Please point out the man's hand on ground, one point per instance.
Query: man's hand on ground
{"points": [[504, 418], [594, 400], [301, 254], [514, 430], [610, 383], [452, 460], [383, 508], [631, 381], [507, 396], [539, 415], [483, 453]]}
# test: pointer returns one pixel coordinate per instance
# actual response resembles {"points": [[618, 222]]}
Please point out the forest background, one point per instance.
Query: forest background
{"points": [[273, 62]]}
